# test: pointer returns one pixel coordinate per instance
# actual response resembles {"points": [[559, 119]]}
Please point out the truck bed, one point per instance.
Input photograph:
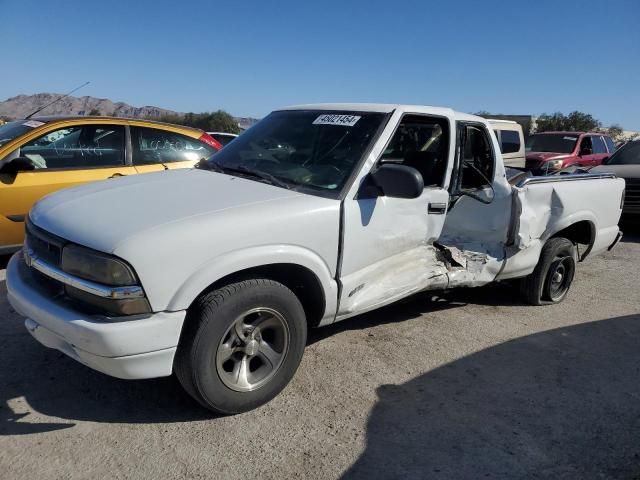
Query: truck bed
{"points": [[544, 206]]}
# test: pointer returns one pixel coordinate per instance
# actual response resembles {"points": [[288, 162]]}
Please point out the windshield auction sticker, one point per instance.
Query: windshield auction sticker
{"points": [[331, 119]]}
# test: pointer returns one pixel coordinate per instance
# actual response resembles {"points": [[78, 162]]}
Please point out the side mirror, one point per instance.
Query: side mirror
{"points": [[18, 164], [398, 181], [485, 195]]}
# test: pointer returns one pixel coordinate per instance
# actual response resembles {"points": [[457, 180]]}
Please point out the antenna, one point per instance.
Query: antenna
{"points": [[56, 100]]}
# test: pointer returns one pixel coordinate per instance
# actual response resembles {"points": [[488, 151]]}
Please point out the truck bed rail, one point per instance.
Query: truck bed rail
{"points": [[564, 178]]}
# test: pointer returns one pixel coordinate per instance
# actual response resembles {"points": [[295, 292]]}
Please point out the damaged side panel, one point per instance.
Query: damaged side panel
{"points": [[425, 268], [396, 277], [476, 265], [542, 210]]}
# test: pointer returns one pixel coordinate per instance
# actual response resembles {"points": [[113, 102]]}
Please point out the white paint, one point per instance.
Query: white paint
{"points": [[183, 230], [512, 159]]}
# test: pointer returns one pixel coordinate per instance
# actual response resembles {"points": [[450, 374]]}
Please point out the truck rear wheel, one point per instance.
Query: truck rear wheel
{"points": [[550, 281], [241, 345]]}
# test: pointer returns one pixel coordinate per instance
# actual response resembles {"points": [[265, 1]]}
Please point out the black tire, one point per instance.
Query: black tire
{"points": [[214, 318], [540, 288]]}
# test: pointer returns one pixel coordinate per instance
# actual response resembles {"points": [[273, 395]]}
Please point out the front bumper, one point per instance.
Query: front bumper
{"points": [[126, 347]]}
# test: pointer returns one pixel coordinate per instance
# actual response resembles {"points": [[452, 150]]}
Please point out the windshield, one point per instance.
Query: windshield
{"points": [[628, 154], [312, 150], [552, 142], [12, 130]]}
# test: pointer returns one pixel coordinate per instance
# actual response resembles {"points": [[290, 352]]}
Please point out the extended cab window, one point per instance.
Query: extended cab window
{"points": [[151, 145], [422, 143], [86, 146], [477, 163]]}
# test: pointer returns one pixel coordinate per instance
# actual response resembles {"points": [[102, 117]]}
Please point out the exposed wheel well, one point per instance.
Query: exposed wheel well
{"points": [[300, 280], [583, 232]]}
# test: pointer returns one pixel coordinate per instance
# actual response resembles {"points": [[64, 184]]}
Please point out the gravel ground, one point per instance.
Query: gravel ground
{"points": [[467, 384]]}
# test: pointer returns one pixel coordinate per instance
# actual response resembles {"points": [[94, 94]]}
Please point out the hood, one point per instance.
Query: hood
{"points": [[546, 156], [103, 214], [622, 171]]}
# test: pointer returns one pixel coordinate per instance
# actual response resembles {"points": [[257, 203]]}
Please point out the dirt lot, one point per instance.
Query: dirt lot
{"points": [[468, 384]]}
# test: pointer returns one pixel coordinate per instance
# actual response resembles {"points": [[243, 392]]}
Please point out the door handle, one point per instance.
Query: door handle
{"points": [[118, 175], [437, 208]]}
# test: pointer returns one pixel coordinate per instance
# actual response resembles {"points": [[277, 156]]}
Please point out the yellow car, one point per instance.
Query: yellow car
{"points": [[41, 155]]}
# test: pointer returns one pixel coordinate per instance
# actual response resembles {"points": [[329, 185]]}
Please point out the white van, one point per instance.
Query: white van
{"points": [[511, 141]]}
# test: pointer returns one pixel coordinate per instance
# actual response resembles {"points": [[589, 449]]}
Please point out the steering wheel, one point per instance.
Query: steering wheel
{"points": [[264, 154]]}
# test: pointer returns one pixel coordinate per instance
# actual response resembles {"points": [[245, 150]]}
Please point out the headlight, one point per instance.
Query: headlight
{"points": [[555, 164], [110, 306], [97, 267], [105, 270]]}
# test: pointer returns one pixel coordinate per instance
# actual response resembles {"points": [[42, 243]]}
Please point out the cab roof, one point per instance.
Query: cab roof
{"points": [[387, 108], [567, 132]]}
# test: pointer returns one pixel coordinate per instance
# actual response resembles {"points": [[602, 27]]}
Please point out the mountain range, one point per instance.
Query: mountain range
{"points": [[22, 105]]}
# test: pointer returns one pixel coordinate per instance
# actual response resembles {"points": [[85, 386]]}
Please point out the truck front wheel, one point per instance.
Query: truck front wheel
{"points": [[241, 345], [550, 281]]}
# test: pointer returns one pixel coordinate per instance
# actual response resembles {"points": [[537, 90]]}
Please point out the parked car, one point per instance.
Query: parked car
{"points": [[549, 152], [41, 155], [625, 163], [222, 137], [511, 141], [316, 214]]}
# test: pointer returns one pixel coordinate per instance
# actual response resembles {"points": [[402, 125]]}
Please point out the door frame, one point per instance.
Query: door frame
{"points": [[454, 183], [353, 196]]}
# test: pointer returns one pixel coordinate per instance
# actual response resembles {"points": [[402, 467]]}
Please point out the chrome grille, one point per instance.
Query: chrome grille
{"points": [[632, 196], [43, 245]]}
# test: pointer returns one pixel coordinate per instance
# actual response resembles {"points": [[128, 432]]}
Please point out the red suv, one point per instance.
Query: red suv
{"points": [[552, 151]]}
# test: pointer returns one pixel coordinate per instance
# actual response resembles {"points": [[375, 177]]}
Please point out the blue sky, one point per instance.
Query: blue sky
{"points": [[250, 57]]}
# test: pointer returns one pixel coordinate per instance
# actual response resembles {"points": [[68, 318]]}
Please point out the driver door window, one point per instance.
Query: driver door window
{"points": [[477, 162], [86, 146], [422, 143], [586, 156]]}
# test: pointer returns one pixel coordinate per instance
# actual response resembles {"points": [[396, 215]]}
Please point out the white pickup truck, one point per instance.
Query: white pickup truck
{"points": [[316, 214]]}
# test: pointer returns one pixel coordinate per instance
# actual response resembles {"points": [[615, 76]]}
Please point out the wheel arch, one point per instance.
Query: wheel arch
{"points": [[298, 269], [580, 231]]}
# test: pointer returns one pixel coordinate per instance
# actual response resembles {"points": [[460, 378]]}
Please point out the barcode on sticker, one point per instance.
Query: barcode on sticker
{"points": [[331, 119]]}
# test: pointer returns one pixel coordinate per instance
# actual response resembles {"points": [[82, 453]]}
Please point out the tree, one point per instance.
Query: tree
{"points": [[94, 112], [219, 121], [615, 131], [574, 122]]}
